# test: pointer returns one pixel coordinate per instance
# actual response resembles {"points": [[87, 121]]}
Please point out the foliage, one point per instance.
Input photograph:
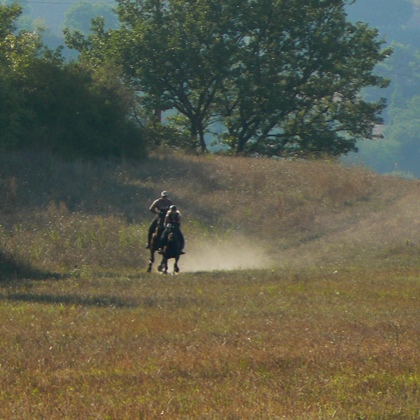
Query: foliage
{"points": [[398, 21], [48, 104], [17, 51], [309, 77], [250, 68], [398, 151], [277, 86], [79, 16], [404, 130], [90, 122]]}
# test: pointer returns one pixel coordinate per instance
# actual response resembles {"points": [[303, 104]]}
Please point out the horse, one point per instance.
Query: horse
{"points": [[172, 249], [155, 245]]}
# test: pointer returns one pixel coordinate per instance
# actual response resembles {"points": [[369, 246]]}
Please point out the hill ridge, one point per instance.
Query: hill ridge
{"points": [[248, 212]]}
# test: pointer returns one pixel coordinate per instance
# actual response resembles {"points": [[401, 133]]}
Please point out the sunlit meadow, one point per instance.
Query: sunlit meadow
{"points": [[298, 297]]}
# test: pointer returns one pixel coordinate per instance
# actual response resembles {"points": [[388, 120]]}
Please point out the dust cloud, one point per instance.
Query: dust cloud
{"points": [[360, 238], [224, 255]]}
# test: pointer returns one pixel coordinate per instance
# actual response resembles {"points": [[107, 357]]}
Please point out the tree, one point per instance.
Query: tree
{"points": [[283, 77], [77, 113], [404, 132], [79, 16], [17, 51], [178, 54], [65, 108], [297, 88], [402, 68]]}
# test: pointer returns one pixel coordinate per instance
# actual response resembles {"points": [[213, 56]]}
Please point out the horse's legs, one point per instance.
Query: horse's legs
{"points": [[176, 268], [151, 260], [163, 266]]}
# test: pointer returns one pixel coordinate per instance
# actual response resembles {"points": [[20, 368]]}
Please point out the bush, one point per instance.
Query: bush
{"points": [[74, 115]]}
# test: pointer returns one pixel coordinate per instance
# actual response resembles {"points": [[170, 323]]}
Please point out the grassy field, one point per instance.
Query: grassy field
{"points": [[298, 297]]}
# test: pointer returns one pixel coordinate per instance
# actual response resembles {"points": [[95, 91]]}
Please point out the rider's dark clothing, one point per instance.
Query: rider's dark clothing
{"points": [[160, 208], [174, 219]]}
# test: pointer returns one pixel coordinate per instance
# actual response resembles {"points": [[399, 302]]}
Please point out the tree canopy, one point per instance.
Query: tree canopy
{"points": [[281, 77], [275, 77]]}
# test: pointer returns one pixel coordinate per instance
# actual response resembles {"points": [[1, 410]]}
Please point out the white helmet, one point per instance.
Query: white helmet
{"points": [[164, 194]]}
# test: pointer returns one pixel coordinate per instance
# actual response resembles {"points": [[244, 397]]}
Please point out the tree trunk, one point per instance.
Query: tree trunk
{"points": [[203, 145]]}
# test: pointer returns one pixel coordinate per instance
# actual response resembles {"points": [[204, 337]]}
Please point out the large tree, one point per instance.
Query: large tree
{"points": [[178, 53], [280, 76], [297, 89]]}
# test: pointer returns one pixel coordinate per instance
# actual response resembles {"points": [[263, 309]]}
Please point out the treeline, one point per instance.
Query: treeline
{"points": [[398, 22], [268, 77]]}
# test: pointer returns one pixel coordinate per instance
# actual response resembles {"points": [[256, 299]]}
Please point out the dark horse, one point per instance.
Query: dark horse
{"points": [[172, 249], [155, 244]]}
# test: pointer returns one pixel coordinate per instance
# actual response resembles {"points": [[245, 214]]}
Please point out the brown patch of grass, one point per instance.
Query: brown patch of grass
{"points": [[256, 344]]}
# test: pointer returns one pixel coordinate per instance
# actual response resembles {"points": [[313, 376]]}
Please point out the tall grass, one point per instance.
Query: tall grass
{"points": [[57, 215], [328, 327]]}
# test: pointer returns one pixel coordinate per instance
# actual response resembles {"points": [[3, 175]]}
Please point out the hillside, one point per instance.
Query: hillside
{"points": [[330, 328], [237, 212]]}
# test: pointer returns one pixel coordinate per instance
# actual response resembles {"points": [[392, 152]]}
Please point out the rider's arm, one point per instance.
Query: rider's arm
{"points": [[179, 219], [153, 207], [166, 219]]}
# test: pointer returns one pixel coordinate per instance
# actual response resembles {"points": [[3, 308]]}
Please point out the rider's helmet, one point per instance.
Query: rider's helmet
{"points": [[164, 194], [173, 207]]}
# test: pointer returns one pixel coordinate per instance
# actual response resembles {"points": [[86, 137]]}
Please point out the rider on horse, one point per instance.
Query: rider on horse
{"points": [[173, 219], [159, 208]]}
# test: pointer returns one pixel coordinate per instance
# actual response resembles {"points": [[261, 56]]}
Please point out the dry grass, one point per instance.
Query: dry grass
{"points": [[257, 344], [327, 328], [58, 216]]}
